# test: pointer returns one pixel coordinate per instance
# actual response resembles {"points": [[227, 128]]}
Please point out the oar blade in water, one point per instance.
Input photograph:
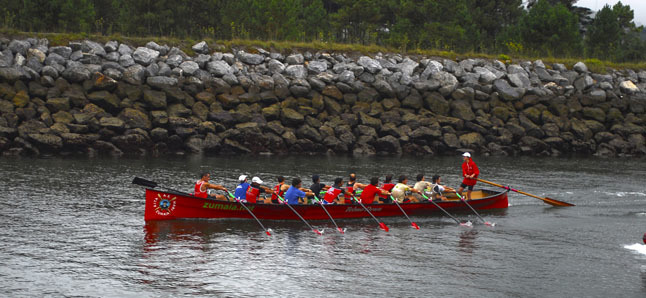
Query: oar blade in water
{"points": [[466, 224], [383, 226], [554, 202], [144, 182]]}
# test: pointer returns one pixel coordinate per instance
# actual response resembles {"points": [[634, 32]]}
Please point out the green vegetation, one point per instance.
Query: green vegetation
{"points": [[556, 30]]}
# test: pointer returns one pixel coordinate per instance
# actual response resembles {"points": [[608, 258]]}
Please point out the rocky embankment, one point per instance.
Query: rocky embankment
{"points": [[114, 99]]}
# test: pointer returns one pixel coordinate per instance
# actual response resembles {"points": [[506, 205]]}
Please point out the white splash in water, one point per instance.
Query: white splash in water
{"points": [[641, 214], [640, 248], [623, 194]]}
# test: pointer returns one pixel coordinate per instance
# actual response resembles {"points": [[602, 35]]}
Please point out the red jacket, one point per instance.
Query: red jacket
{"points": [[470, 168]]}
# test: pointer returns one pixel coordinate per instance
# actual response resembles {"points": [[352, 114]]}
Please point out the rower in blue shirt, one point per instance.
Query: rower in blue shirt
{"points": [[295, 192], [241, 189]]}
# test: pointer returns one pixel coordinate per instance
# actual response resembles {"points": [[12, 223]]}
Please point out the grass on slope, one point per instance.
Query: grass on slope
{"points": [[57, 39]]}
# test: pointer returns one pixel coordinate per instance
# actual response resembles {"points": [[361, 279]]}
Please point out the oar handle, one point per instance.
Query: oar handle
{"points": [[280, 198]]}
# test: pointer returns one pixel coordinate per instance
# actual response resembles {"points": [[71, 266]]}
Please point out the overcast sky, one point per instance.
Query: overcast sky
{"points": [[638, 6]]}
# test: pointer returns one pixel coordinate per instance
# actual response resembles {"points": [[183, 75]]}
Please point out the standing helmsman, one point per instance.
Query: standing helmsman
{"points": [[470, 173], [202, 186]]}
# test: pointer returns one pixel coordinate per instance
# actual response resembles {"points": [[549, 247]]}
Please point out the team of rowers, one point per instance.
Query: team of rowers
{"points": [[340, 192]]}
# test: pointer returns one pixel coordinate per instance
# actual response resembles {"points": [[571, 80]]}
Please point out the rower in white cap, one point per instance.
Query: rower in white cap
{"points": [[470, 173], [241, 190], [254, 191]]}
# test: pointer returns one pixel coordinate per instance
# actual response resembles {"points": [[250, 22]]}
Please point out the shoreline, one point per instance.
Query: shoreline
{"points": [[94, 99]]}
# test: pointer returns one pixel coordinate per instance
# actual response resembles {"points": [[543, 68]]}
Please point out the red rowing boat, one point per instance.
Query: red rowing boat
{"points": [[165, 205]]}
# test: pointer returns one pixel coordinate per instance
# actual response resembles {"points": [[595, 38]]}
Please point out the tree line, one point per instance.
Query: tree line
{"points": [[555, 28]]}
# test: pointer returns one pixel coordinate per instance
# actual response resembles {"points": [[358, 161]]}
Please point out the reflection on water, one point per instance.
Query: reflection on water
{"points": [[467, 241], [74, 227]]}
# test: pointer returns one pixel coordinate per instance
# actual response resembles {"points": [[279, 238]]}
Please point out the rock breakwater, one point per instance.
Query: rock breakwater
{"points": [[114, 99]]}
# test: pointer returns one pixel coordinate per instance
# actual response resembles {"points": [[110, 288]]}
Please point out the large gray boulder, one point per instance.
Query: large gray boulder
{"points": [[49, 71], [219, 68], [543, 75], [448, 82], [63, 51], [583, 83], [112, 56], [46, 142], [76, 74], [580, 67], [19, 46], [111, 46], [515, 68], [519, 80], [486, 75], [461, 109], [134, 74], [6, 58], [161, 82], [124, 49], [163, 50], [472, 140], [126, 60], [201, 47], [384, 88], [276, 66], [388, 144], [296, 71], [93, 48], [252, 59], [54, 58], [145, 56], [347, 77], [202, 60], [295, 59], [317, 67], [507, 92], [408, 66], [174, 60], [12, 74], [371, 65], [189, 67], [432, 68]]}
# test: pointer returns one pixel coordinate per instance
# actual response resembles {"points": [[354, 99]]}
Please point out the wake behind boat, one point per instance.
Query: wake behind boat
{"points": [[171, 204]]}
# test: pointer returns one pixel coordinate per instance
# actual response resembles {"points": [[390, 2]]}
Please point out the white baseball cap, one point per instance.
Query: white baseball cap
{"points": [[242, 178], [466, 154], [256, 180]]}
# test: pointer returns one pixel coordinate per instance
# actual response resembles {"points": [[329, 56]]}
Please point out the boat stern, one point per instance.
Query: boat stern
{"points": [[159, 205]]}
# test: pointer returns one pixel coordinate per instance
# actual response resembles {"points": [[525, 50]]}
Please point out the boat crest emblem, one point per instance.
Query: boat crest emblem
{"points": [[164, 204]]}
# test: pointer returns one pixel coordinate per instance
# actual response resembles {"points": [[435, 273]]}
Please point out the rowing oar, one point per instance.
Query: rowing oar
{"points": [[245, 207], [382, 225], [474, 211], [466, 224], [295, 212], [412, 223], [342, 231], [153, 184], [550, 201]]}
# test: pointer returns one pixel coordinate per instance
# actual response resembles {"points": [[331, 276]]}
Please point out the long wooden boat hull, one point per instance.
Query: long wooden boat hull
{"points": [[163, 205]]}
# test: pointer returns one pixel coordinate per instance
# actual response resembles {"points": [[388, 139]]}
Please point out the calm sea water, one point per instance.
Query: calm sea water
{"points": [[74, 227]]}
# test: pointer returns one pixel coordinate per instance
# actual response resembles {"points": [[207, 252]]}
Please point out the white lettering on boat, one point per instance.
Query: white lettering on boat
{"points": [[358, 209], [219, 206]]}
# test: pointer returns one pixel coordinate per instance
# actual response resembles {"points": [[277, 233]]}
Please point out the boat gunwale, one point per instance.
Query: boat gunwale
{"points": [[188, 195]]}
